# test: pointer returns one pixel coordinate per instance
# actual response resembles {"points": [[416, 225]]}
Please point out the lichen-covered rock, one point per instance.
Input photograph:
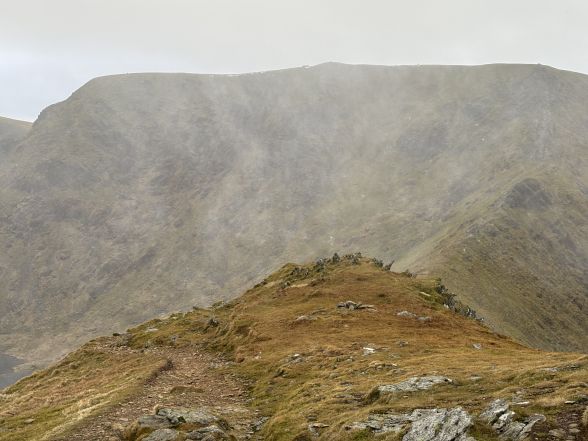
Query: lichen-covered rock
{"points": [[504, 421], [382, 423], [413, 384], [421, 424], [439, 425]]}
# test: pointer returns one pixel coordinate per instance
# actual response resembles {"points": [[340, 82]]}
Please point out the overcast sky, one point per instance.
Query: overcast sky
{"points": [[49, 48]]}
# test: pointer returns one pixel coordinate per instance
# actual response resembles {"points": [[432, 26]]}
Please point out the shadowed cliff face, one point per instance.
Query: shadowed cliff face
{"points": [[147, 193]]}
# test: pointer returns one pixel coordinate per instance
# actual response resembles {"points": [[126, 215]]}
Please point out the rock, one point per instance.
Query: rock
{"points": [[182, 415], [504, 422], [364, 306], [368, 351], [427, 424], [520, 430], [353, 305], [494, 411], [146, 424], [381, 365], [557, 433], [258, 424], [315, 428], [170, 418], [378, 262], [294, 359], [165, 435], [382, 423], [406, 314], [477, 346], [424, 319], [354, 258], [348, 304], [208, 433], [414, 384], [439, 425], [304, 318], [212, 323]]}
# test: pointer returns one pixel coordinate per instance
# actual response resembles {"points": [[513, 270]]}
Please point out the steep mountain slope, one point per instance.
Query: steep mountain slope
{"points": [[11, 132], [146, 193], [338, 350]]}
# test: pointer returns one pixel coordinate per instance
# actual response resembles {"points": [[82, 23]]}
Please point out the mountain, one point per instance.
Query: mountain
{"points": [[146, 193], [338, 350], [11, 133]]}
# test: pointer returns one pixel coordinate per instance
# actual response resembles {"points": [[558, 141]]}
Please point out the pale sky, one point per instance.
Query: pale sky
{"points": [[49, 48]]}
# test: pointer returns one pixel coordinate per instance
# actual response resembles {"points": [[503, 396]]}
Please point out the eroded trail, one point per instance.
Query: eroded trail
{"points": [[193, 380]]}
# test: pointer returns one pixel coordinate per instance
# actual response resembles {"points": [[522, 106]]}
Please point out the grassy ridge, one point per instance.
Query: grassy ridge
{"points": [[305, 359]]}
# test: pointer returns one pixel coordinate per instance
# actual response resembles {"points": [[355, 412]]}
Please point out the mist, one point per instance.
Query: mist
{"points": [[49, 49]]}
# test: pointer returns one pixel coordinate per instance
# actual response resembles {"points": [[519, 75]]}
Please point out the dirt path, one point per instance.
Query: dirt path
{"points": [[193, 380]]}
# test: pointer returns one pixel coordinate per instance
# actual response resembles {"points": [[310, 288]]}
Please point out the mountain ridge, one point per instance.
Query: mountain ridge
{"points": [[341, 348], [131, 194], [12, 131]]}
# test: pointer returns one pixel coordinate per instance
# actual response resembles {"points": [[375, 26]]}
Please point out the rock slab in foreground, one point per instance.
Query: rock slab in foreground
{"points": [[503, 421], [425, 424], [413, 384]]}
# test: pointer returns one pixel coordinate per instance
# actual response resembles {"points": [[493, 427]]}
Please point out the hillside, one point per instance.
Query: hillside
{"points": [[340, 349], [12, 132], [146, 193]]}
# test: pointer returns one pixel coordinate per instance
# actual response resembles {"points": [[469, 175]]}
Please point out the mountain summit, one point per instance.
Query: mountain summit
{"points": [[146, 193]]}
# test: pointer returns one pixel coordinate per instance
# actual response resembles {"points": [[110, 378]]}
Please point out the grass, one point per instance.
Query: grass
{"points": [[53, 401]]}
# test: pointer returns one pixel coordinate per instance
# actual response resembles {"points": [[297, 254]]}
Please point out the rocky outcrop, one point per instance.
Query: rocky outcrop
{"points": [[188, 416], [354, 305], [408, 314], [178, 424], [445, 424], [421, 424], [439, 425], [504, 421], [413, 384]]}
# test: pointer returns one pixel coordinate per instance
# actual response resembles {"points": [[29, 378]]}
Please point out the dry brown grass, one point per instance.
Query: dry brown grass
{"points": [[52, 401]]}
